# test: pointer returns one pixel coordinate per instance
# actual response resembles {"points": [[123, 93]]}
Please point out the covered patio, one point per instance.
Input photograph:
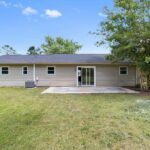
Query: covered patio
{"points": [[86, 90]]}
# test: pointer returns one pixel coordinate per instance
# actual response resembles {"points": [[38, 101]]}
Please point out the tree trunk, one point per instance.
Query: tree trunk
{"points": [[144, 81]]}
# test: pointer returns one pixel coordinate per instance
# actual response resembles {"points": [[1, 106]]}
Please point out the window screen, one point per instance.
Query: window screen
{"points": [[123, 70], [51, 70], [4, 70], [25, 70]]}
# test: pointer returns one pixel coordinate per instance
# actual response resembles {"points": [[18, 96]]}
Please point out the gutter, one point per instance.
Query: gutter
{"points": [[68, 63]]}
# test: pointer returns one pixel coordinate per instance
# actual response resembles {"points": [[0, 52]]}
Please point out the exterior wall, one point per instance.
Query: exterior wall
{"points": [[15, 76], [109, 76], [106, 75], [64, 75]]}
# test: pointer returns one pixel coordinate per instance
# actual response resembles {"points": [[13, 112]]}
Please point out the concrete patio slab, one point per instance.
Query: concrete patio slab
{"points": [[86, 90]]}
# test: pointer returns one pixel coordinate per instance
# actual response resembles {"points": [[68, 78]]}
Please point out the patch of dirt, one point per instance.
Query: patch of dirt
{"points": [[142, 93]]}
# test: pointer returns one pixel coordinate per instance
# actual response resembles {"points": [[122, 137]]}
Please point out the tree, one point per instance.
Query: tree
{"points": [[127, 31], [59, 46], [147, 59], [7, 50], [34, 51]]}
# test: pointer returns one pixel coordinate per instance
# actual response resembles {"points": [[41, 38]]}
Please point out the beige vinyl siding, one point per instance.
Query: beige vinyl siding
{"points": [[15, 76], [65, 75], [108, 75]]}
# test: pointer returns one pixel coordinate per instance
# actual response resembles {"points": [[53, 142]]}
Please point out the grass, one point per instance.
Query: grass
{"points": [[29, 121]]}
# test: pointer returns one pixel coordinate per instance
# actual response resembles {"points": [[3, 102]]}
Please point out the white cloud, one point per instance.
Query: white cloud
{"points": [[17, 5], [4, 3], [8, 4], [102, 15], [52, 13], [29, 11]]}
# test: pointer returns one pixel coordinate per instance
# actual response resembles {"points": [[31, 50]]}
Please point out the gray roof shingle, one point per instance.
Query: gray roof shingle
{"points": [[54, 59]]}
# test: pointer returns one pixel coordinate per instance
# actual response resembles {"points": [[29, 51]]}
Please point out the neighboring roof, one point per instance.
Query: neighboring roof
{"points": [[55, 59]]}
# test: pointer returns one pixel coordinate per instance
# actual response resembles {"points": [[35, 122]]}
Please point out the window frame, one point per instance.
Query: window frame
{"points": [[2, 68], [23, 70], [123, 67], [54, 70]]}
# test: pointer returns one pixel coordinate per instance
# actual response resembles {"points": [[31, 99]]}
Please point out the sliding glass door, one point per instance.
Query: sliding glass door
{"points": [[86, 76]]}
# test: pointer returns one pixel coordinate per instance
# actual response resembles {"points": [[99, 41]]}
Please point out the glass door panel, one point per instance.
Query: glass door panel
{"points": [[91, 76], [87, 76], [83, 76]]}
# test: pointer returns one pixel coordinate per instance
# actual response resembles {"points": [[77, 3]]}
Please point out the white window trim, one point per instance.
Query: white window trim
{"points": [[1, 70], [54, 70], [23, 70], [123, 74]]}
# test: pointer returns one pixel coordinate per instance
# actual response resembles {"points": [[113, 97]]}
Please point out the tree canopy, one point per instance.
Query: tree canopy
{"points": [[59, 46], [7, 50], [34, 51], [127, 30]]}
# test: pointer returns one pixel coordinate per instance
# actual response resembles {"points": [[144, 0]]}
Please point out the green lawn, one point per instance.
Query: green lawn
{"points": [[31, 121]]}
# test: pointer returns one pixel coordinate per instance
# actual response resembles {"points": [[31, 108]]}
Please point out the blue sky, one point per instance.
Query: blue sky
{"points": [[24, 23]]}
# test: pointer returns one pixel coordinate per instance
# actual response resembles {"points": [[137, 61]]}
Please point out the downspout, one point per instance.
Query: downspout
{"points": [[34, 73]]}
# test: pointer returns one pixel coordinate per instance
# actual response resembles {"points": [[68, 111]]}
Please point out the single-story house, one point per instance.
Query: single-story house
{"points": [[65, 70]]}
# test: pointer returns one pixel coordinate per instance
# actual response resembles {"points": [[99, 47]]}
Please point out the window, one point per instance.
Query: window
{"points": [[25, 70], [123, 70], [5, 70], [51, 70]]}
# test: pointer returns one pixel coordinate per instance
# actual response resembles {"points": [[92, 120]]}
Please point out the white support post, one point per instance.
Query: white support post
{"points": [[34, 72]]}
